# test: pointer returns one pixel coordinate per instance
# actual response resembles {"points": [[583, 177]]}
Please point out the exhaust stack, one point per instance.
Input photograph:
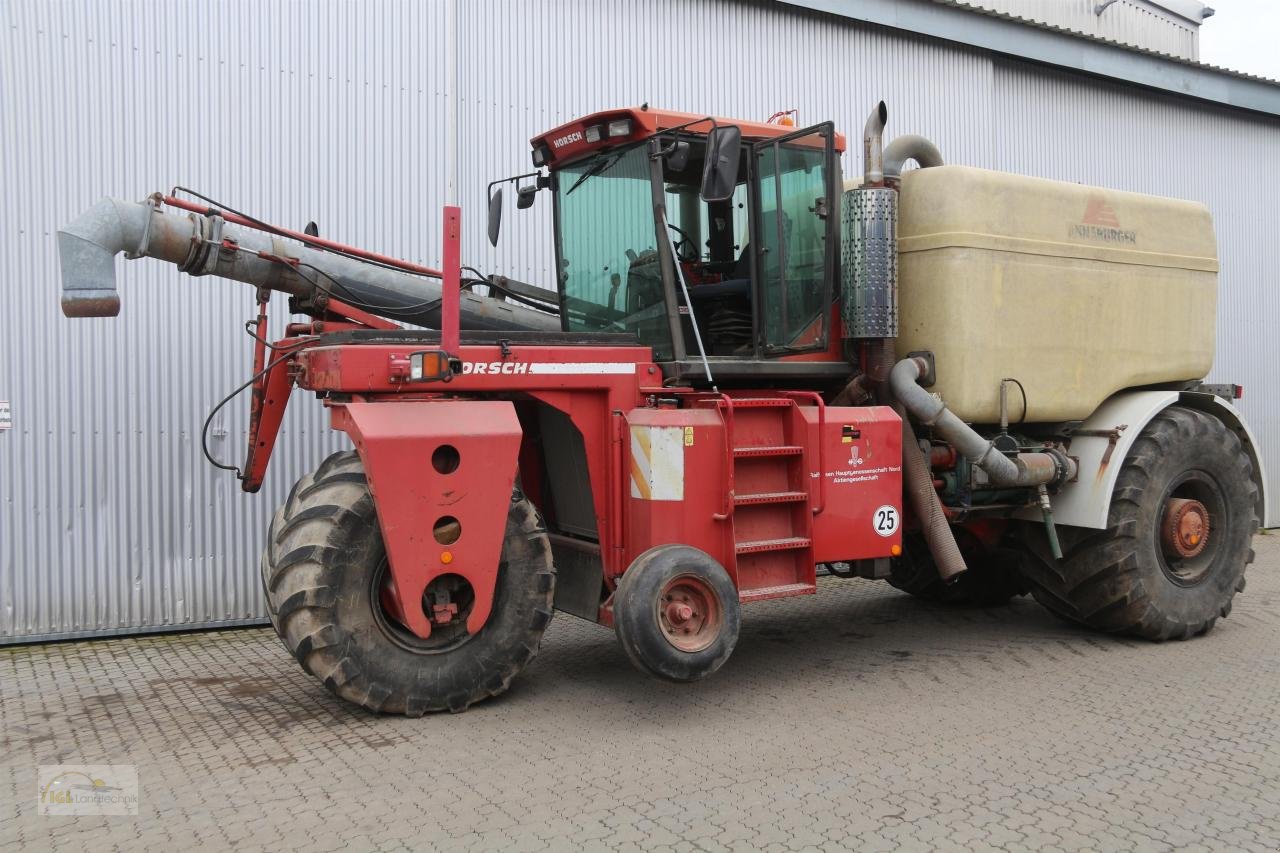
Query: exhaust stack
{"points": [[206, 244], [869, 308], [873, 146]]}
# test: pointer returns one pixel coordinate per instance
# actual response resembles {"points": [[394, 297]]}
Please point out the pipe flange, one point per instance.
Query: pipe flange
{"points": [[206, 239], [1065, 468], [195, 255]]}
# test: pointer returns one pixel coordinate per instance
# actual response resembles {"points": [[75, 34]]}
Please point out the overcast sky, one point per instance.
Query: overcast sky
{"points": [[1244, 35]]}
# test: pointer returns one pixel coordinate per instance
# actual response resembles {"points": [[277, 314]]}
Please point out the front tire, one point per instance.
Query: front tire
{"points": [[676, 613], [323, 573], [1178, 538]]}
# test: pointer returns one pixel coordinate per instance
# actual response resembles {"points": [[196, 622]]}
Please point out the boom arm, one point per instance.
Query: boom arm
{"points": [[208, 244]]}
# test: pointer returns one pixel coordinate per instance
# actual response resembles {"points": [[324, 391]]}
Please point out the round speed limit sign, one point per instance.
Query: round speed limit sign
{"points": [[885, 520]]}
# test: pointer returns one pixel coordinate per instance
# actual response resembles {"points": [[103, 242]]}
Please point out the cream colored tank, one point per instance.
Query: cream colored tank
{"points": [[1075, 291]]}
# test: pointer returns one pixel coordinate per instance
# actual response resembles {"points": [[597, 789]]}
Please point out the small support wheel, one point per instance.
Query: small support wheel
{"points": [[676, 613]]}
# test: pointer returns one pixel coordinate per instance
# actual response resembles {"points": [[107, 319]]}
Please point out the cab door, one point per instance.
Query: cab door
{"points": [[795, 237]]}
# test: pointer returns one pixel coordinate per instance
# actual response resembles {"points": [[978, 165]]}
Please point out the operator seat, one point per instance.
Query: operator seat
{"points": [[739, 281]]}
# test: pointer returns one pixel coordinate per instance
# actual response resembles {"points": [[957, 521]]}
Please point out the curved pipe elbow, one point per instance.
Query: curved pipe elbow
{"points": [[909, 147], [931, 411], [903, 382], [87, 248]]}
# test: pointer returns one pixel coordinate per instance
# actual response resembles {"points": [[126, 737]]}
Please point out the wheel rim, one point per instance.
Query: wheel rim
{"points": [[689, 613], [386, 614], [1184, 533], [1194, 516]]}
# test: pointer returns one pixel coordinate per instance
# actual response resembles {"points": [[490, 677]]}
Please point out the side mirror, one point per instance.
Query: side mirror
{"points": [[495, 215], [525, 196], [720, 171]]}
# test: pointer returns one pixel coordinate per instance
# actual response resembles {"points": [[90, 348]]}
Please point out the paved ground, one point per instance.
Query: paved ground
{"points": [[857, 718]]}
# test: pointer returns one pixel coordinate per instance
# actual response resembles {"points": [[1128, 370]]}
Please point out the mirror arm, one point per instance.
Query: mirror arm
{"points": [[494, 192]]}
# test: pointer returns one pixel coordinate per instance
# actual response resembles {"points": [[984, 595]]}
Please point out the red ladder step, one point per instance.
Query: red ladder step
{"points": [[770, 498], [767, 450], [766, 592], [760, 546]]}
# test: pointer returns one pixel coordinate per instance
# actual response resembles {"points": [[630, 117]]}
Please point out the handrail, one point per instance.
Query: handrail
{"points": [[822, 422], [726, 402]]}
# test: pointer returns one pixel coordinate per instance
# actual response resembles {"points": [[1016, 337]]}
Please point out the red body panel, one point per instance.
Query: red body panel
{"points": [[768, 483], [396, 443], [863, 474], [676, 498]]}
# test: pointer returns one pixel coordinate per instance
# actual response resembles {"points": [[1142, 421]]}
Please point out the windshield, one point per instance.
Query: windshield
{"points": [[610, 274]]}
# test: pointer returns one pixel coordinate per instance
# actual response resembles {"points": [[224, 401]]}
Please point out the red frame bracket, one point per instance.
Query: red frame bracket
{"points": [[450, 296], [396, 441]]}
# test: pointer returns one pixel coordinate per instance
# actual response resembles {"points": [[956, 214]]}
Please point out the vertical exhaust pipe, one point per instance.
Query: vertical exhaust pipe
{"points": [[869, 309], [873, 146]]}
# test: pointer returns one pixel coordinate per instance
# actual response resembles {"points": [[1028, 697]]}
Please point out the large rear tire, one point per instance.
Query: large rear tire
{"points": [[324, 571], [1178, 538]]}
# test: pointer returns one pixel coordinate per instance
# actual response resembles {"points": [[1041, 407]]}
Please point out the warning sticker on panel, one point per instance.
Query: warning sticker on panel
{"points": [[657, 463], [885, 520], [6, 416]]}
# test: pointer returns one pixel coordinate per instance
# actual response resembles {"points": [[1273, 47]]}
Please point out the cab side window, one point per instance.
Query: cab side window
{"points": [[793, 257]]}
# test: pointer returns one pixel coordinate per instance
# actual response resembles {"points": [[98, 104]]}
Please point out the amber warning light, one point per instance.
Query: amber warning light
{"points": [[432, 366]]}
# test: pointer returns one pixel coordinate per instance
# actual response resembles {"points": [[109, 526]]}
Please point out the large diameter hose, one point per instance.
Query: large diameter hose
{"points": [[1025, 469], [909, 147], [928, 506]]}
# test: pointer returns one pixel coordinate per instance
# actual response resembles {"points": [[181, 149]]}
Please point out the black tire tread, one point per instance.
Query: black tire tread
{"points": [[323, 512], [1099, 582]]}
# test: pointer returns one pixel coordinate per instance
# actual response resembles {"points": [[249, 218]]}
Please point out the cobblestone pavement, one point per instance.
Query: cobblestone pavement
{"points": [[857, 718]]}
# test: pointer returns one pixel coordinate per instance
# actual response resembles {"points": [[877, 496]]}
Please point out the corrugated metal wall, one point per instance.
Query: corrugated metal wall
{"points": [[332, 110], [1132, 22]]}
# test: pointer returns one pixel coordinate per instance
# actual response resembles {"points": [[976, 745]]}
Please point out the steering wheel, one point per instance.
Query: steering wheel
{"points": [[686, 247]]}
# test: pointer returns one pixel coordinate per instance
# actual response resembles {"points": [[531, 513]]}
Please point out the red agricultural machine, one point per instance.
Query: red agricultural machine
{"points": [[970, 384]]}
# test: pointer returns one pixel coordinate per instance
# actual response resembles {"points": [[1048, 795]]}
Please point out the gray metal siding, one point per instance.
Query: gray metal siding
{"points": [[111, 520], [1130, 22]]}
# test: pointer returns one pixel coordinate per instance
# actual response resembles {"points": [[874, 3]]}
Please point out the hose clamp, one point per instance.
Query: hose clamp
{"points": [[153, 201], [206, 239]]}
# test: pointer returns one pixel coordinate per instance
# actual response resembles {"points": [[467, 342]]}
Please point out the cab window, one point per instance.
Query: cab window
{"points": [[793, 258]]}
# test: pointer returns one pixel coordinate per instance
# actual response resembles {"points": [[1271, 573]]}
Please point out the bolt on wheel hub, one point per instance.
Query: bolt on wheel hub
{"points": [[689, 614], [1184, 532]]}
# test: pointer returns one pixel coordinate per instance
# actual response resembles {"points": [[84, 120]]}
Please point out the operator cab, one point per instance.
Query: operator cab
{"points": [[637, 229]]}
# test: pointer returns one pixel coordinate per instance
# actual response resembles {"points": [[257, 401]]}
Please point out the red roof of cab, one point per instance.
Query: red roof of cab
{"points": [[649, 121]]}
